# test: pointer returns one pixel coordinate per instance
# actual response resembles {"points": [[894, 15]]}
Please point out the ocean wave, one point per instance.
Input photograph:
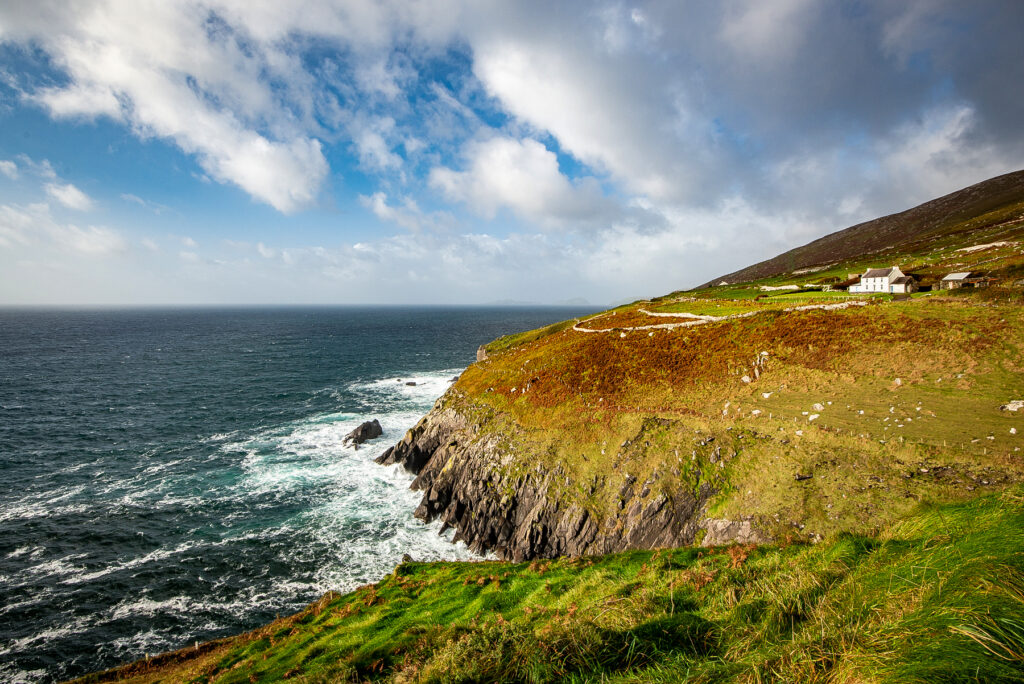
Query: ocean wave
{"points": [[309, 502], [67, 626], [159, 555]]}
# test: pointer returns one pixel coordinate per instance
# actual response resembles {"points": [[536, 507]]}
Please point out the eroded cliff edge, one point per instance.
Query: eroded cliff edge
{"points": [[475, 478]]}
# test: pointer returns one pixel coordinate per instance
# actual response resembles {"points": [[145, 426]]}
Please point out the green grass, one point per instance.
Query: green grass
{"points": [[580, 398], [938, 597], [517, 339]]}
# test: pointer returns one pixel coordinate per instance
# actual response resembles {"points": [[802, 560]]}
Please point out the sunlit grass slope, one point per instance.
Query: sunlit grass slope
{"points": [[808, 421], [937, 597]]}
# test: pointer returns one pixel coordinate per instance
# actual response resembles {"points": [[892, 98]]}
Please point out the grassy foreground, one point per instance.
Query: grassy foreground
{"points": [[939, 597]]}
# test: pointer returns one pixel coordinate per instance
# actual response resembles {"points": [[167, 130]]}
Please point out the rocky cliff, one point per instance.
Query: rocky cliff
{"points": [[475, 482]]}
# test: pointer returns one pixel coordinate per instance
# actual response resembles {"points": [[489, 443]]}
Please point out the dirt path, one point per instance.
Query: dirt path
{"points": [[696, 319]]}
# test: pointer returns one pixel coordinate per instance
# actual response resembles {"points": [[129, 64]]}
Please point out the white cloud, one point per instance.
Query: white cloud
{"points": [[16, 223], [522, 175], [167, 72], [93, 240], [371, 143], [43, 169], [9, 169], [408, 214], [33, 226], [761, 31], [939, 153], [651, 136], [69, 195]]}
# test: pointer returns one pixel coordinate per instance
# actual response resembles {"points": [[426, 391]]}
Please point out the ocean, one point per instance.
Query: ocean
{"points": [[168, 476]]}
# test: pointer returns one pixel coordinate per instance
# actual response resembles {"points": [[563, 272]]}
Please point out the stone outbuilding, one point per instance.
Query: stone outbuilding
{"points": [[964, 279]]}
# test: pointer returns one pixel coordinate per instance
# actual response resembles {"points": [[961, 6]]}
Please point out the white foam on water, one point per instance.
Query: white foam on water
{"points": [[352, 525], [58, 567], [68, 627], [22, 550], [44, 504], [428, 387], [156, 556], [365, 524]]}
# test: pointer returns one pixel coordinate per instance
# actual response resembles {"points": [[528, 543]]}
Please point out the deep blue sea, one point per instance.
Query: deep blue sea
{"points": [[171, 476]]}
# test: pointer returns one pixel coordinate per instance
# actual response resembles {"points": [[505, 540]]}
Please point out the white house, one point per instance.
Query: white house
{"points": [[889, 280]]}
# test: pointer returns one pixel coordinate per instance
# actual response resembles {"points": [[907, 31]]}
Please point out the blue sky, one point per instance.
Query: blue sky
{"points": [[463, 152]]}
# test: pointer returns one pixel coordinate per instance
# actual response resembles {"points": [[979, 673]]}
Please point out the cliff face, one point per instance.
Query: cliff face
{"points": [[475, 483]]}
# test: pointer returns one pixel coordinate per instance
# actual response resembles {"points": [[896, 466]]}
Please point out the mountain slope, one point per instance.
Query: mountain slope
{"points": [[905, 232]]}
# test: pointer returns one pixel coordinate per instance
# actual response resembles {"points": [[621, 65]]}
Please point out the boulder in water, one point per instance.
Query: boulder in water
{"points": [[368, 430]]}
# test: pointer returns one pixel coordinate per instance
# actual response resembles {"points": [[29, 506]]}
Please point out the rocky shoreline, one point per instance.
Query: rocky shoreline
{"points": [[473, 483]]}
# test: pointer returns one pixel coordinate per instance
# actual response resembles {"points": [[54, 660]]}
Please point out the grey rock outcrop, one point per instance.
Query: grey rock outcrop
{"points": [[371, 429], [723, 531], [514, 505]]}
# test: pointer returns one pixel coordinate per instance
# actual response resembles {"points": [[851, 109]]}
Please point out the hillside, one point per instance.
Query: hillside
{"points": [[954, 217], [937, 597], [861, 454]]}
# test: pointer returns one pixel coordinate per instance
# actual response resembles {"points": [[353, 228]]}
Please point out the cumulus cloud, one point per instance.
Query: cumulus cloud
{"points": [[760, 30], [70, 196], [9, 169], [175, 72], [522, 175], [34, 225], [665, 142], [94, 240], [16, 223]]}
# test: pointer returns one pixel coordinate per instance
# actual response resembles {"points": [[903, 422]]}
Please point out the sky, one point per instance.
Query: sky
{"points": [[219, 152]]}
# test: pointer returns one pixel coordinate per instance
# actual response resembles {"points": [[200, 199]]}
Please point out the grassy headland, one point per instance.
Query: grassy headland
{"points": [[937, 597]]}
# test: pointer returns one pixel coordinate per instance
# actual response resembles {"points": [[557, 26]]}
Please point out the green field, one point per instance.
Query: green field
{"points": [[938, 597]]}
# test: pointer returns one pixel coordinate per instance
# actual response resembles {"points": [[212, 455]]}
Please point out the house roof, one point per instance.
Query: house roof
{"points": [[903, 280], [958, 276], [877, 272]]}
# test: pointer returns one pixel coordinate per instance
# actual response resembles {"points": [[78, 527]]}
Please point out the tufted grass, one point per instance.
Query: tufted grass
{"points": [[937, 597]]}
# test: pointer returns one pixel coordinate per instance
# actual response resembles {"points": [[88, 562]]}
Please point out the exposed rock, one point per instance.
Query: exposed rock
{"points": [[368, 430], [410, 384], [800, 477], [722, 531], [501, 502], [1015, 405], [481, 353]]}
